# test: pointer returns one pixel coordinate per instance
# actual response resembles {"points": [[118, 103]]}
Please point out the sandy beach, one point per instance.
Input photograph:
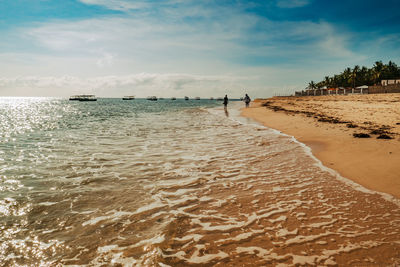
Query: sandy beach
{"points": [[327, 124]]}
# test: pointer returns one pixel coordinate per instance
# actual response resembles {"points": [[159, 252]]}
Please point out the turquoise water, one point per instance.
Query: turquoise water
{"points": [[37, 134], [175, 183], [55, 151]]}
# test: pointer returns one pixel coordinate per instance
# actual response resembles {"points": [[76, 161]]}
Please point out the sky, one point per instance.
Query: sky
{"points": [[173, 48]]}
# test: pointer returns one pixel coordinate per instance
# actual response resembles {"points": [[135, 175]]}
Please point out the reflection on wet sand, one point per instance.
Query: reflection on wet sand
{"points": [[226, 112]]}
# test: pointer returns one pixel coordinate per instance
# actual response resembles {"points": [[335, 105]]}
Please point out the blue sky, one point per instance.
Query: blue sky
{"points": [[185, 47]]}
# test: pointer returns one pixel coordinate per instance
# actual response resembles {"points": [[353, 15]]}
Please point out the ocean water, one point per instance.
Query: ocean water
{"points": [[175, 183]]}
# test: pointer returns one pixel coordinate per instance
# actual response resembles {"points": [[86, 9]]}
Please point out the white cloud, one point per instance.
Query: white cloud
{"points": [[145, 41], [292, 3], [117, 4], [106, 60], [326, 42]]}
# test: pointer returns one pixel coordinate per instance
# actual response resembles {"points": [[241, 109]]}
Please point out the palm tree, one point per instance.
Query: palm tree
{"points": [[327, 81], [378, 68], [335, 81], [311, 85], [391, 70], [346, 77], [360, 76], [354, 75]]}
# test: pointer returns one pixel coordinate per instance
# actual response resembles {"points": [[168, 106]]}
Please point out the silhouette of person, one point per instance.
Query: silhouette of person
{"points": [[225, 101], [247, 100]]}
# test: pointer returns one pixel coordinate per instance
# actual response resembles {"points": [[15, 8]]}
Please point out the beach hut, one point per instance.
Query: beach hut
{"points": [[340, 90], [362, 88], [331, 91], [389, 82]]}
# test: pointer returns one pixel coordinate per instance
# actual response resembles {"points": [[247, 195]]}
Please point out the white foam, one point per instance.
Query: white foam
{"points": [[319, 225], [240, 237], [196, 258], [194, 237], [285, 232], [304, 260], [265, 254], [116, 215], [151, 206], [229, 225], [106, 248], [302, 239], [279, 219]]}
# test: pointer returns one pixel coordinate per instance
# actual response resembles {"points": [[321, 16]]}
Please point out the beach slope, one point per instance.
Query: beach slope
{"points": [[327, 124]]}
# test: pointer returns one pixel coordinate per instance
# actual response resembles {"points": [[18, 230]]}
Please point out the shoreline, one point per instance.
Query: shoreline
{"points": [[370, 162]]}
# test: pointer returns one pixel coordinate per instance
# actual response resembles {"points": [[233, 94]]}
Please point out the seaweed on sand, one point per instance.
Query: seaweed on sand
{"points": [[361, 135]]}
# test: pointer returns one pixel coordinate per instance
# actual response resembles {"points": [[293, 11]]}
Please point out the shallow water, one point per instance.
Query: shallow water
{"points": [[175, 183]]}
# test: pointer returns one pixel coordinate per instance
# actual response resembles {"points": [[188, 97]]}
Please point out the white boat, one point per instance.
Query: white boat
{"points": [[128, 97], [152, 98], [83, 98]]}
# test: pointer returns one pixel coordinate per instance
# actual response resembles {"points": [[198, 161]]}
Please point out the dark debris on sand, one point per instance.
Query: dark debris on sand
{"points": [[319, 117], [331, 120], [382, 132], [350, 125], [361, 135], [379, 131], [384, 136]]}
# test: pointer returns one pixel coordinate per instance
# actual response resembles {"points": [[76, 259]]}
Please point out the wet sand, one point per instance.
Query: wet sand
{"points": [[327, 124]]}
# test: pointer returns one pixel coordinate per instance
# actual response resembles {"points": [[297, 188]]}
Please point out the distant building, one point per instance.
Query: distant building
{"points": [[389, 82]]}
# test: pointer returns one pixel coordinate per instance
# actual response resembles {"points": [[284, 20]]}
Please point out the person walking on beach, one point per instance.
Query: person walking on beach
{"points": [[225, 101], [247, 100]]}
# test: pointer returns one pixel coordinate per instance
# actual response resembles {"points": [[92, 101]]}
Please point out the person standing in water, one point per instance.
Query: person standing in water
{"points": [[225, 101], [247, 100]]}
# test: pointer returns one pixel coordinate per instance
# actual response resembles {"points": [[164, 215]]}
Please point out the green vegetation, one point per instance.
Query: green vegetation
{"points": [[360, 76]]}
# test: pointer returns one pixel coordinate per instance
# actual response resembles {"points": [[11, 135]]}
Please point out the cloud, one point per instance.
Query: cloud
{"points": [[119, 5], [148, 40], [292, 3], [208, 47], [106, 60]]}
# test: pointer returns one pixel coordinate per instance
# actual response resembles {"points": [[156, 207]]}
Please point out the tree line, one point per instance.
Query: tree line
{"points": [[359, 76]]}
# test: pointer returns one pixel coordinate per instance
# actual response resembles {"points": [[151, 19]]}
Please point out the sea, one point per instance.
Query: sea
{"points": [[176, 183]]}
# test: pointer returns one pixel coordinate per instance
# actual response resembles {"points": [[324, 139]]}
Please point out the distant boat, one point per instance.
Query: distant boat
{"points": [[152, 98], [219, 99], [211, 98], [186, 98], [83, 98], [128, 97], [197, 98], [173, 98]]}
